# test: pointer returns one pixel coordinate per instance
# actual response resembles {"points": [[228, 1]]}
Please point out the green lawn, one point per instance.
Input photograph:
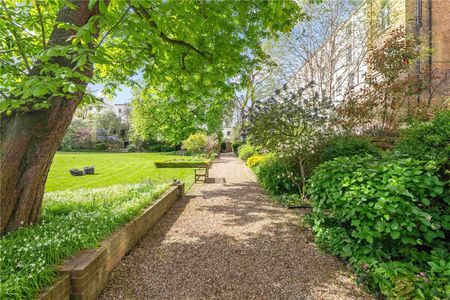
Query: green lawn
{"points": [[110, 169]]}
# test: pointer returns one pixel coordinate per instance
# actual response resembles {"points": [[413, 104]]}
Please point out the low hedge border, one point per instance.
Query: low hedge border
{"points": [[181, 164]]}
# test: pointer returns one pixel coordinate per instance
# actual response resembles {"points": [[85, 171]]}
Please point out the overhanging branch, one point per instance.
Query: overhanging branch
{"points": [[142, 12]]}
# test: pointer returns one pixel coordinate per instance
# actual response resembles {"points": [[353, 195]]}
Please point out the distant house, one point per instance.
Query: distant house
{"points": [[227, 131], [341, 64], [123, 110], [228, 128]]}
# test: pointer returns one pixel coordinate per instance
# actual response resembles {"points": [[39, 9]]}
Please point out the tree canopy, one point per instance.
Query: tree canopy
{"points": [[192, 47], [51, 50]]}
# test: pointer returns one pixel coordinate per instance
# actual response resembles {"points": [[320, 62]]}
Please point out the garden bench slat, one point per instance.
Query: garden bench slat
{"points": [[202, 173]]}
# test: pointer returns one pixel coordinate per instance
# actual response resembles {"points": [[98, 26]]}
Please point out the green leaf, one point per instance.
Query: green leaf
{"points": [[446, 222], [425, 201], [429, 236], [395, 234], [394, 225], [102, 6], [91, 4], [72, 88], [82, 60], [39, 91], [408, 240]]}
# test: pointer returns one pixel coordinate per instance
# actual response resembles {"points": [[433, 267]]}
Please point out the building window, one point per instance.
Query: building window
{"points": [[351, 81], [120, 110], [385, 15], [349, 54], [228, 133], [339, 85], [348, 30]]}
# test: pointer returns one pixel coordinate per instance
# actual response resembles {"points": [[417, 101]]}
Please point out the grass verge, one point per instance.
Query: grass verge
{"points": [[71, 221]]}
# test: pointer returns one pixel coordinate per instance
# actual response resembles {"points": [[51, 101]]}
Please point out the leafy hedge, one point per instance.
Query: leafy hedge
{"points": [[245, 151], [71, 221], [182, 163], [235, 147], [161, 148], [347, 146], [278, 176], [390, 219], [256, 160], [428, 140]]}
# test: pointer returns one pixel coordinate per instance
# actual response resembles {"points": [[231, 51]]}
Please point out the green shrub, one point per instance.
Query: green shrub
{"points": [[291, 200], [347, 146], [278, 176], [246, 150], [161, 148], [197, 163], [235, 147], [389, 218], [71, 221], [196, 142], [256, 160], [427, 140], [100, 146]]}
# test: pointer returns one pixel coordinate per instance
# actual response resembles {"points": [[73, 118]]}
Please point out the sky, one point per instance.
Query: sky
{"points": [[123, 96]]}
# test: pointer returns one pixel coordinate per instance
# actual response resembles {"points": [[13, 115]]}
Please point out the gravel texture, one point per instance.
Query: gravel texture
{"points": [[229, 241]]}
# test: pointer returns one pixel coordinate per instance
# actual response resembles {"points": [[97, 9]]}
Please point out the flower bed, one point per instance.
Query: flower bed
{"points": [[71, 221]]}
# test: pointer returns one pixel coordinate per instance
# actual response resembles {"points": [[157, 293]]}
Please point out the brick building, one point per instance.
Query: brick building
{"points": [[340, 64]]}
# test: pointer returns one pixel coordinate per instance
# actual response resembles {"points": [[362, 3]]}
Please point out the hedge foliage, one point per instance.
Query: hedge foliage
{"points": [[235, 147], [347, 146], [196, 142], [427, 140], [278, 176], [388, 217], [256, 160], [182, 163], [246, 150]]}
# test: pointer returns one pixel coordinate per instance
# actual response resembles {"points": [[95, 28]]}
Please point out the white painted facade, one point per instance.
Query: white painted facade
{"points": [[123, 111], [340, 64]]}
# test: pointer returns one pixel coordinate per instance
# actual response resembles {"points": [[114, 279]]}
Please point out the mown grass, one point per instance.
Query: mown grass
{"points": [[112, 168], [71, 221]]}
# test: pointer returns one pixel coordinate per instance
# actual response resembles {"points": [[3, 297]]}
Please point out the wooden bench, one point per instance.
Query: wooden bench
{"points": [[202, 173]]}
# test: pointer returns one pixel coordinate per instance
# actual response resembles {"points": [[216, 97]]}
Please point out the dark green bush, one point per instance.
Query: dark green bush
{"points": [[100, 146], [235, 147], [278, 176], [389, 218], [247, 150], [347, 146], [427, 140], [161, 148]]}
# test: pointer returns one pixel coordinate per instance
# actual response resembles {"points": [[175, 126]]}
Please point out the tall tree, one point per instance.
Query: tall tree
{"points": [[48, 57]]}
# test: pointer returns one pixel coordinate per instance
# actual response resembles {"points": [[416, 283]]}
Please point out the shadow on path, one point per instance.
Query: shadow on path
{"points": [[228, 241]]}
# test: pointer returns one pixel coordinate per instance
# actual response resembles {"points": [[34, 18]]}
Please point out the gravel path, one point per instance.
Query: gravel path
{"points": [[229, 241]]}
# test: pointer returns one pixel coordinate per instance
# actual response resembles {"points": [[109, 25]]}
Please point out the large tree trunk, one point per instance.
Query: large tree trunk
{"points": [[29, 140]]}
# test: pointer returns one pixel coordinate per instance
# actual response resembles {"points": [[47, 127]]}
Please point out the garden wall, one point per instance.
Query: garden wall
{"points": [[84, 276]]}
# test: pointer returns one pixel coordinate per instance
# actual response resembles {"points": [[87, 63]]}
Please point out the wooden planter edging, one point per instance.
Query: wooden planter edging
{"points": [[84, 275]]}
